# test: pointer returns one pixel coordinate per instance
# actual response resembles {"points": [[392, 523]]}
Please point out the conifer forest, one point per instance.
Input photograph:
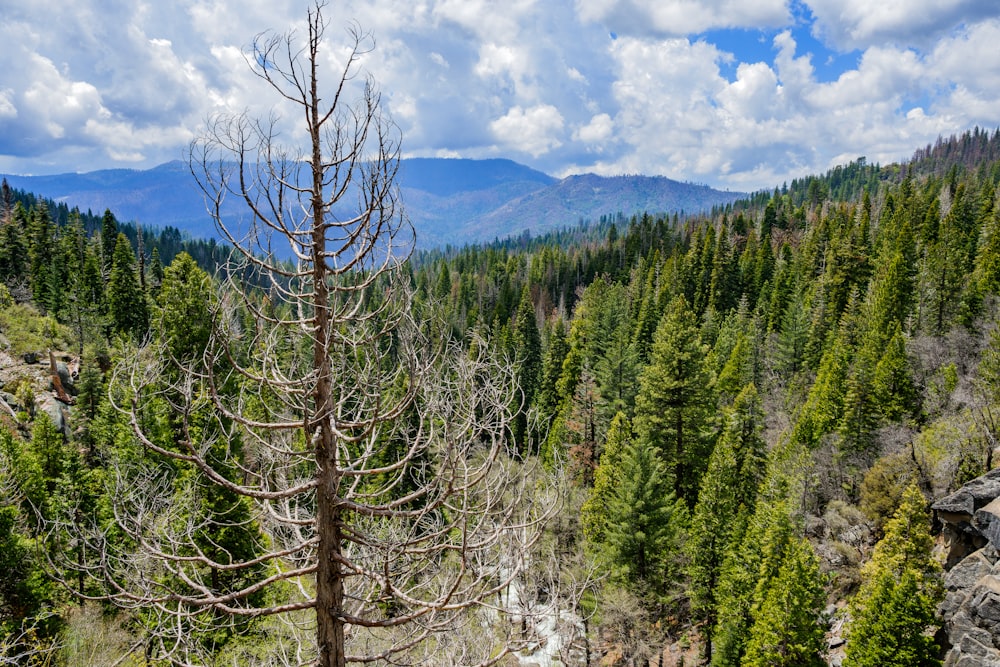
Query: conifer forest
{"points": [[701, 439]]}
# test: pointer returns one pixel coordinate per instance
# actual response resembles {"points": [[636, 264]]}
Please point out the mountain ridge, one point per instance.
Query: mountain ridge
{"points": [[448, 200]]}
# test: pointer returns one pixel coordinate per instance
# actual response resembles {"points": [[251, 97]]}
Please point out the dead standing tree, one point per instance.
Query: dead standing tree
{"points": [[387, 499]]}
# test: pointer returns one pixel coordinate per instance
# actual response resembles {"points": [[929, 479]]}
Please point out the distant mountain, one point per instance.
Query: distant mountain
{"points": [[161, 196], [452, 201], [588, 197]]}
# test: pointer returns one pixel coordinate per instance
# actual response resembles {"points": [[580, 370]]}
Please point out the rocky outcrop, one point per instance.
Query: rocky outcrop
{"points": [[957, 513], [970, 520]]}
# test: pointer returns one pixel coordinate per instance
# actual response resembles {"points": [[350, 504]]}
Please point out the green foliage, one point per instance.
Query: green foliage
{"points": [[674, 407], [883, 486], [894, 612], [894, 391], [746, 576], [127, 307], [607, 480], [184, 317], [28, 331], [989, 368], [786, 630], [726, 501], [644, 523], [528, 353]]}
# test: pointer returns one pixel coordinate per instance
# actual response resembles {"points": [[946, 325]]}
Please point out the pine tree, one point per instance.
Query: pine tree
{"points": [[607, 479], [824, 407], [14, 245], [647, 318], [746, 576], [183, 317], [786, 631], [528, 350], [725, 502], [793, 333], [675, 404], [109, 238], [894, 392], [552, 363], [616, 368], [41, 255], [126, 302], [987, 272], [901, 588], [644, 522]]}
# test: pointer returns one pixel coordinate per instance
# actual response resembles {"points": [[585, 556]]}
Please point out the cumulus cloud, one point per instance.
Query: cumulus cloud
{"points": [[597, 131], [534, 131], [641, 86], [859, 24], [682, 17]]}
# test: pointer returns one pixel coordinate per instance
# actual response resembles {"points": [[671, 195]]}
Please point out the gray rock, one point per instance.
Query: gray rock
{"points": [[971, 497], [11, 400], [975, 661], [965, 575], [990, 553], [972, 647], [56, 411], [971, 608], [987, 521], [65, 376]]}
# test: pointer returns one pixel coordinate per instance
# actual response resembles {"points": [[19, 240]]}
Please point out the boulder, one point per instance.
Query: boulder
{"points": [[956, 513], [963, 504], [56, 411], [66, 377], [971, 608], [987, 521]]}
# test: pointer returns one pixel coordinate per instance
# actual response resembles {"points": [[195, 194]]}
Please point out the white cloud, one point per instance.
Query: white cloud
{"points": [[682, 17], [534, 131], [859, 24], [598, 130], [7, 107], [99, 82]]}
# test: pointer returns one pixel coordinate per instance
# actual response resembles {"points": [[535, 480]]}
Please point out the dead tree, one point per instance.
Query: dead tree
{"points": [[387, 505]]}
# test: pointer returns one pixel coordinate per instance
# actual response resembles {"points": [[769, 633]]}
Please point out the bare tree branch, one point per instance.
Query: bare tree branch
{"points": [[361, 457]]}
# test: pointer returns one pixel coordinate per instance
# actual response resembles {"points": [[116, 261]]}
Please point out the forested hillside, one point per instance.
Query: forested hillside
{"points": [[732, 426]]}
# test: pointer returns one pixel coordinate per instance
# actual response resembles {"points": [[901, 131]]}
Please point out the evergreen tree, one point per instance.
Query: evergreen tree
{"points": [[987, 271], [901, 588], [786, 631], [892, 385], [647, 318], [552, 363], [793, 334], [41, 255], [109, 238], [14, 261], [616, 368], [607, 479], [824, 406], [155, 268], [645, 522], [725, 502], [675, 404], [126, 302], [184, 317], [747, 574], [528, 351]]}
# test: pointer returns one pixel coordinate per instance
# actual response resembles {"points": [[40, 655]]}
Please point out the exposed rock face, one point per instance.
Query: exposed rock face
{"points": [[957, 512], [971, 608]]}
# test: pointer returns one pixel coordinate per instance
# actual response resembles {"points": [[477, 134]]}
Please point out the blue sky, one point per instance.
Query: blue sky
{"points": [[732, 93]]}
